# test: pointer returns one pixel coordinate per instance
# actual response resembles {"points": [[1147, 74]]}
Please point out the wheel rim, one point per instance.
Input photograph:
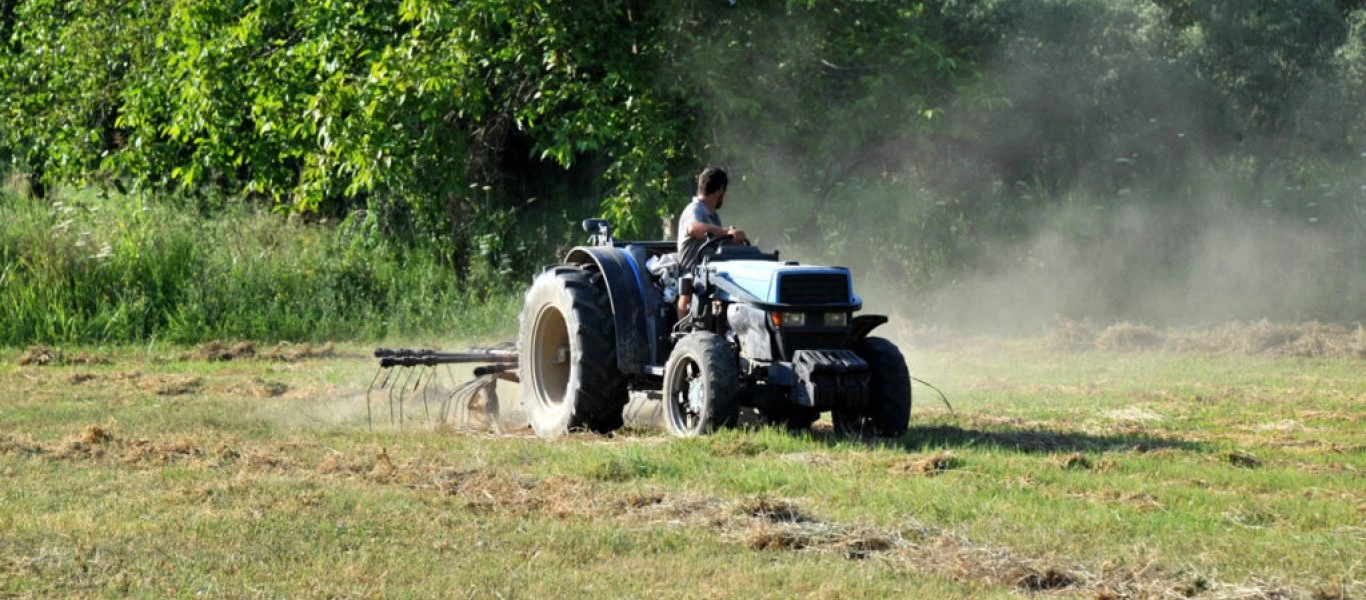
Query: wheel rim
{"points": [[687, 399], [550, 366]]}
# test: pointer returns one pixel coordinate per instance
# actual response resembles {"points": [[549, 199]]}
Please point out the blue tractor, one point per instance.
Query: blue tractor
{"points": [[778, 337]]}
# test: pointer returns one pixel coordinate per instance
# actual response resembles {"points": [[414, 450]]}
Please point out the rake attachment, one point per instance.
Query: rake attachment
{"points": [[407, 374]]}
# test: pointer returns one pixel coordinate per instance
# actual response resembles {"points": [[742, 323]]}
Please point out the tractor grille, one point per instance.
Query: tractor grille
{"points": [[814, 288]]}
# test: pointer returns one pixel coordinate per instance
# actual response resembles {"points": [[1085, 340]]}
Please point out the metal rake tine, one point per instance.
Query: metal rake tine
{"points": [[369, 415], [446, 398], [403, 393], [399, 387], [427, 413]]}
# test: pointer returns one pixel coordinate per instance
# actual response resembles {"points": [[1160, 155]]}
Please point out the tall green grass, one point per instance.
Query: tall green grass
{"points": [[95, 268]]}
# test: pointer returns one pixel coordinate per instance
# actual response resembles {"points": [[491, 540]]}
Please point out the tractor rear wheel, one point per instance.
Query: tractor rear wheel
{"points": [[888, 412], [701, 385], [567, 358]]}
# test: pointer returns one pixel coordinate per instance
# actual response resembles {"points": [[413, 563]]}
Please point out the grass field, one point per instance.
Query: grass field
{"points": [[148, 471]]}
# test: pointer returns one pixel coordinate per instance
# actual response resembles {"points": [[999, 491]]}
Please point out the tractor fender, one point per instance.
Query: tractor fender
{"points": [[630, 293], [861, 326]]}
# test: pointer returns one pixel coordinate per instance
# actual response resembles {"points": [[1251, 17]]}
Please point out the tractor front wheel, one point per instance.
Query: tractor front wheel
{"points": [[567, 357], [701, 385], [888, 412]]}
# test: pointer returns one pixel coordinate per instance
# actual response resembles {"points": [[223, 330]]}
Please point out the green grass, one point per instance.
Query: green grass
{"points": [[94, 268], [1155, 473]]}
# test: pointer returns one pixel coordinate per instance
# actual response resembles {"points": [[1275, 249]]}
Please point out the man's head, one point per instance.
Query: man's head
{"points": [[711, 185]]}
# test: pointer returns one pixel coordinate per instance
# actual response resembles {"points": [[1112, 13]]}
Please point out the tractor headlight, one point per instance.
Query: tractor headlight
{"points": [[788, 319], [836, 319]]}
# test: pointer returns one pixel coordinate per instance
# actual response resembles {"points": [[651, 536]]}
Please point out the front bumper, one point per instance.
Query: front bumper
{"points": [[822, 379]]}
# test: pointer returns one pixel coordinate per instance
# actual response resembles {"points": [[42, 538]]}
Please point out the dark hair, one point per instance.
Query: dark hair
{"points": [[711, 179]]}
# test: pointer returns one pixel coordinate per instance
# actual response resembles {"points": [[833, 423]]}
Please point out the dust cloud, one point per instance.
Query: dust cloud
{"points": [[1134, 208]]}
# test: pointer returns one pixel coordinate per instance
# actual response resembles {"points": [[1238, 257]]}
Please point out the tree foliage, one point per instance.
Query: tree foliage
{"points": [[948, 124]]}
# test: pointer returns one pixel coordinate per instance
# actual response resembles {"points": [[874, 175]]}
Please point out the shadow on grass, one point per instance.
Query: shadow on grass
{"points": [[1030, 440]]}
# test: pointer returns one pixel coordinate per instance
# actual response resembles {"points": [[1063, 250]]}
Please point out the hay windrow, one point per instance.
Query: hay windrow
{"points": [[1075, 460], [171, 385], [285, 351], [1242, 459], [41, 356], [215, 351], [929, 466], [1307, 340], [1128, 337], [1071, 336], [94, 434], [260, 388]]}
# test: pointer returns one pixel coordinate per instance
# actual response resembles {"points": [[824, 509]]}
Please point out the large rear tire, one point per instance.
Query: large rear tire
{"points": [[701, 386], [888, 413], [567, 359]]}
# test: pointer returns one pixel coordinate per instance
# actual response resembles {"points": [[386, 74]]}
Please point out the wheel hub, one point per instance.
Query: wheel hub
{"points": [[696, 396]]}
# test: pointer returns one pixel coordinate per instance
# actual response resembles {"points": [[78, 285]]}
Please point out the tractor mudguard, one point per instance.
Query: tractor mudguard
{"points": [[633, 302], [861, 326]]}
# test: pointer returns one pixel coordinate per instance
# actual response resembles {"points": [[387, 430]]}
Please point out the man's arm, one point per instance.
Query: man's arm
{"points": [[700, 230]]}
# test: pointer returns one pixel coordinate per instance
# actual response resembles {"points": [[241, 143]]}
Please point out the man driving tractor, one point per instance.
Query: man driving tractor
{"points": [[700, 222]]}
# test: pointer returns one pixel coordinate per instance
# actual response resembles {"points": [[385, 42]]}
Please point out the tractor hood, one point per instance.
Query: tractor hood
{"points": [[772, 282]]}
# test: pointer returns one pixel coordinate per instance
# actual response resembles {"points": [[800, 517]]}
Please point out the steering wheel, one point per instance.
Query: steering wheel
{"points": [[707, 246]]}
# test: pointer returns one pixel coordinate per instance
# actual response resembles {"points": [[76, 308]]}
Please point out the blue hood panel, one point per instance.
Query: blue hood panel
{"points": [[760, 277]]}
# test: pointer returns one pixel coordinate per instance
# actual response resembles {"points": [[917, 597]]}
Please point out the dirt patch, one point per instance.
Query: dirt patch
{"points": [[218, 351], [1128, 337], [41, 356]]}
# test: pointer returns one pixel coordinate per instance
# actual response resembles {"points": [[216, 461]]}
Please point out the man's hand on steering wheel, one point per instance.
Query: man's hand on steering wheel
{"points": [[737, 235]]}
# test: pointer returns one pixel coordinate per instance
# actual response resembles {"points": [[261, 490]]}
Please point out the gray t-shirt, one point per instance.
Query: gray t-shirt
{"points": [[689, 246]]}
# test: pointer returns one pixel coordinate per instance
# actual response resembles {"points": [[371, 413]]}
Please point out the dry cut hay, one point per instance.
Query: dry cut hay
{"points": [[215, 350], [288, 352], [929, 466], [94, 434], [260, 388], [171, 385], [1127, 337], [1308, 340], [1075, 460], [40, 356], [1071, 335]]}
